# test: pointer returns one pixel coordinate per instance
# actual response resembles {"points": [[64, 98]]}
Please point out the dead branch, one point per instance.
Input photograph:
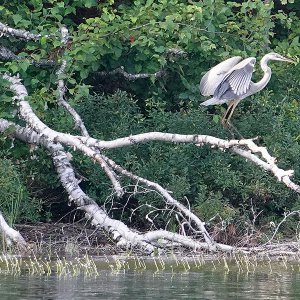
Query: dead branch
{"points": [[166, 195], [128, 76], [285, 216], [29, 116], [6, 54], [11, 235], [120, 232], [61, 88], [245, 148], [170, 54], [22, 34]]}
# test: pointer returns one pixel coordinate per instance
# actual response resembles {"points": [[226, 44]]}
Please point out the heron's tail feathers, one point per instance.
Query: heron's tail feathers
{"points": [[211, 101]]}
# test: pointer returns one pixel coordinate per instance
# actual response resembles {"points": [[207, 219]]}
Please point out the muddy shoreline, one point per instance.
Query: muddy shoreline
{"points": [[78, 239]]}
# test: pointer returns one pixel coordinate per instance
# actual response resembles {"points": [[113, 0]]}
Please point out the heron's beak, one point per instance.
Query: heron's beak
{"points": [[288, 60]]}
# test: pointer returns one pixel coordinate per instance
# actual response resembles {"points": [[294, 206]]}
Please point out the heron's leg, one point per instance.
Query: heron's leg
{"points": [[229, 112], [224, 120]]}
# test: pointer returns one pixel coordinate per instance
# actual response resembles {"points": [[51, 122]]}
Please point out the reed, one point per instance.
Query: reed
{"points": [[92, 266]]}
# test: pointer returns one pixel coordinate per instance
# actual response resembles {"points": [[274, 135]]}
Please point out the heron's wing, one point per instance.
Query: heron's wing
{"points": [[239, 77], [215, 75]]}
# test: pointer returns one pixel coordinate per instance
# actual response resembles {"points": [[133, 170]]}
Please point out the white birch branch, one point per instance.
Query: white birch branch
{"points": [[283, 176], [76, 117], [245, 148], [99, 217], [33, 121], [169, 199], [125, 237], [61, 88], [7, 54], [184, 241], [196, 139], [11, 235], [23, 34], [129, 76]]}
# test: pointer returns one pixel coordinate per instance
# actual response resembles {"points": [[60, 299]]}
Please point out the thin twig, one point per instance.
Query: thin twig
{"points": [[285, 216]]}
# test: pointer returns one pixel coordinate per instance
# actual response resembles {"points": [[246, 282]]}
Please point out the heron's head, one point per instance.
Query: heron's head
{"points": [[276, 56]]}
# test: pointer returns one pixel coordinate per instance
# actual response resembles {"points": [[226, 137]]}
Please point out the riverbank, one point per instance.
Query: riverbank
{"points": [[64, 239], [78, 239]]}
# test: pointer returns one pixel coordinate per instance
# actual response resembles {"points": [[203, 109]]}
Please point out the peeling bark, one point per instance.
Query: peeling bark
{"points": [[11, 235], [23, 34], [131, 77]]}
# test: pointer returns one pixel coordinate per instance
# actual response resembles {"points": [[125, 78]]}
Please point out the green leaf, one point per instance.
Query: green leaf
{"points": [[138, 68], [17, 18], [117, 52], [43, 40], [159, 49], [14, 68], [211, 28], [24, 65], [72, 80], [148, 3], [133, 19], [216, 119], [34, 81], [90, 3]]}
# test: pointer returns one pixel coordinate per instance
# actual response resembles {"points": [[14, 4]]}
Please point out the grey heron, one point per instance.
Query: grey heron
{"points": [[230, 81]]}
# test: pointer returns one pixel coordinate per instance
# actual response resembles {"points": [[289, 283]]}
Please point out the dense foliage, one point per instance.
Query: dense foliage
{"points": [[136, 35]]}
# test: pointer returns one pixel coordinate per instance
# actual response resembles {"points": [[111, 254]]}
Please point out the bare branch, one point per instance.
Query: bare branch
{"points": [[61, 89], [128, 76], [11, 235], [170, 54], [7, 54], [77, 119], [281, 175], [182, 240], [267, 162], [170, 200], [119, 230], [29, 116], [285, 216], [198, 140], [23, 34]]}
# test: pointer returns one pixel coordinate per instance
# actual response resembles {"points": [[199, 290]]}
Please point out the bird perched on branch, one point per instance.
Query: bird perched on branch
{"points": [[230, 81]]}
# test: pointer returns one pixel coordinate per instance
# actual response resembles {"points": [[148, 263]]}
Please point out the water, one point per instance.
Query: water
{"points": [[281, 282]]}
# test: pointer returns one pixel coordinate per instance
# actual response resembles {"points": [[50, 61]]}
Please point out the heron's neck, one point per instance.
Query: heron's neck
{"points": [[267, 74]]}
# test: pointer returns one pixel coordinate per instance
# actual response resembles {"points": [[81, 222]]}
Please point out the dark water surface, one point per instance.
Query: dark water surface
{"points": [[282, 283]]}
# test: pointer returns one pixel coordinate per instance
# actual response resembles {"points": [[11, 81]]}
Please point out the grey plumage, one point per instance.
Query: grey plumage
{"points": [[230, 81]]}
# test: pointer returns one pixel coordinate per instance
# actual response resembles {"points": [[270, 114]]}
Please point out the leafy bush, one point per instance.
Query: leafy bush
{"points": [[15, 201]]}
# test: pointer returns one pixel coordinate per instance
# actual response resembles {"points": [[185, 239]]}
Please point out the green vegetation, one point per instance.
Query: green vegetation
{"points": [[15, 201], [137, 35], [90, 266]]}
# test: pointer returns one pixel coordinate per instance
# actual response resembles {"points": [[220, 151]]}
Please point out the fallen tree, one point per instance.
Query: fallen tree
{"points": [[36, 132]]}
